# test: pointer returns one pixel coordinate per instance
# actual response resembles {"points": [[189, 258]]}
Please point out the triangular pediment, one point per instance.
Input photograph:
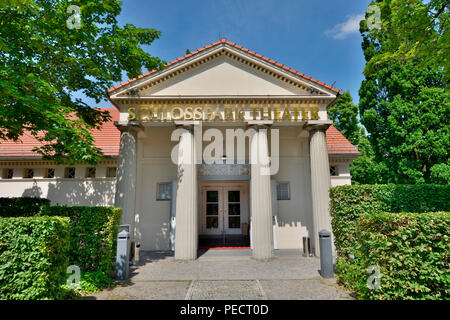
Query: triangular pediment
{"points": [[221, 71], [223, 77]]}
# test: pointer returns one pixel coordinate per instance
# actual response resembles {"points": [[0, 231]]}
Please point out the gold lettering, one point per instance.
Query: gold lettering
{"points": [[131, 114], [253, 111], [198, 113], [277, 115], [163, 112], [206, 114], [188, 115], [173, 116], [286, 114], [240, 114], [217, 114], [314, 113], [304, 113], [229, 114], [143, 114], [265, 112], [295, 109]]}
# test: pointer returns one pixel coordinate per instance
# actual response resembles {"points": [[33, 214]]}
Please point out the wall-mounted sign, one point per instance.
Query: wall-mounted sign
{"points": [[286, 113]]}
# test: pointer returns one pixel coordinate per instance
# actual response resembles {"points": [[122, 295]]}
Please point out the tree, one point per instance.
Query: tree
{"points": [[403, 103], [344, 114], [415, 31], [49, 50], [364, 169], [440, 173]]}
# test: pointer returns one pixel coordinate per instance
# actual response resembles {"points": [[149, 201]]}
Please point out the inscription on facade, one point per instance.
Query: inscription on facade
{"points": [[277, 113]]}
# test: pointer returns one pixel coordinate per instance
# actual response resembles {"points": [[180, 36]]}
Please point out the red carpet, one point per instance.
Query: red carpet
{"points": [[214, 247]]}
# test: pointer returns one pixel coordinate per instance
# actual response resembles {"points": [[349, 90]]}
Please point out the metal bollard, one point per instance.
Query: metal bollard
{"points": [[307, 247], [123, 255], [136, 253], [326, 255]]}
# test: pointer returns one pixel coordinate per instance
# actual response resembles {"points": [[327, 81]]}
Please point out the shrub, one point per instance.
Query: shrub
{"points": [[348, 203], [33, 257], [21, 207], [412, 252], [93, 235], [91, 281]]}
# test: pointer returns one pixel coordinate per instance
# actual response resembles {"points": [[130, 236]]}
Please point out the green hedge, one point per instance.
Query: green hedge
{"points": [[33, 257], [21, 207], [348, 203], [412, 251], [93, 235]]}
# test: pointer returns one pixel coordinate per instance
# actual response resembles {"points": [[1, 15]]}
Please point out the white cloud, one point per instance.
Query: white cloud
{"points": [[342, 30]]}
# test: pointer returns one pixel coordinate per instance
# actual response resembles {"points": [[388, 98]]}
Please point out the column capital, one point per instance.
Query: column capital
{"points": [[317, 125], [129, 126], [259, 124]]}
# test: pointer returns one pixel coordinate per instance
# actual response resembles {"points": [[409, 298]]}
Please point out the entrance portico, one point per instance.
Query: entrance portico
{"points": [[189, 117]]}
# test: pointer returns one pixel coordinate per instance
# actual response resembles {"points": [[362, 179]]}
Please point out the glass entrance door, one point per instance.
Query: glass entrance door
{"points": [[214, 211], [232, 210], [223, 207]]}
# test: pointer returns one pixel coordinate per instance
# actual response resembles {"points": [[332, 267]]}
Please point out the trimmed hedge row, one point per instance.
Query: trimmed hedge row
{"points": [[33, 257], [411, 251], [348, 203], [93, 235], [21, 207]]}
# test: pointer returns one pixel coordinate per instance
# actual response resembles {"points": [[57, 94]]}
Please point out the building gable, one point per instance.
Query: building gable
{"points": [[223, 68]]}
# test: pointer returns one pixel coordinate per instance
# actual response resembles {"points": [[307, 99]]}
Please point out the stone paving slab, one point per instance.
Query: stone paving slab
{"points": [[311, 289], [225, 290], [146, 290], [225, 275], [228, 268]]}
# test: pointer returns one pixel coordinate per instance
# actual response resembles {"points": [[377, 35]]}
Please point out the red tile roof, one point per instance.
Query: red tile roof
{"points": [[224, 40], [338, 144], [108, 139]]}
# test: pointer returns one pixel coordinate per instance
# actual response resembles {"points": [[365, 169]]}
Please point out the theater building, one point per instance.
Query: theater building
{"points": [[223, 146]]}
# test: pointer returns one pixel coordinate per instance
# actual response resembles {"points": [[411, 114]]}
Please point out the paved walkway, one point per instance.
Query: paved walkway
{"points": [[226, 274]]}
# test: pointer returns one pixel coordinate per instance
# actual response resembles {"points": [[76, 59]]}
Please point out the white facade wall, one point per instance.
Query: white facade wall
{"points": [[155, 166], [343, 172], [97, 191]]}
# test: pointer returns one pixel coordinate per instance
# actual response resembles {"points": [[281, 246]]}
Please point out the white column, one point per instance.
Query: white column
{"points": [[320, 182], [261, 197], [186, 231], [125, 196]]}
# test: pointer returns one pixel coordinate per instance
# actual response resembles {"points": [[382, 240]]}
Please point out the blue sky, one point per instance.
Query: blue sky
{"points": [[320, 39]]}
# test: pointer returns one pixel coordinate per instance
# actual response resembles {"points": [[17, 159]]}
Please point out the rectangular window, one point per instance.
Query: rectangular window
{"points": [[333, 171], [283, 191], [69, 173], [111, 172], [164, 191], [28, 173], [90, 172], [8, 173], [50, 173]]}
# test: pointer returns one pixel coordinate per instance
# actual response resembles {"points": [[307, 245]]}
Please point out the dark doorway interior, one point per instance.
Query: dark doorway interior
{"points": [[224, 241]]}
